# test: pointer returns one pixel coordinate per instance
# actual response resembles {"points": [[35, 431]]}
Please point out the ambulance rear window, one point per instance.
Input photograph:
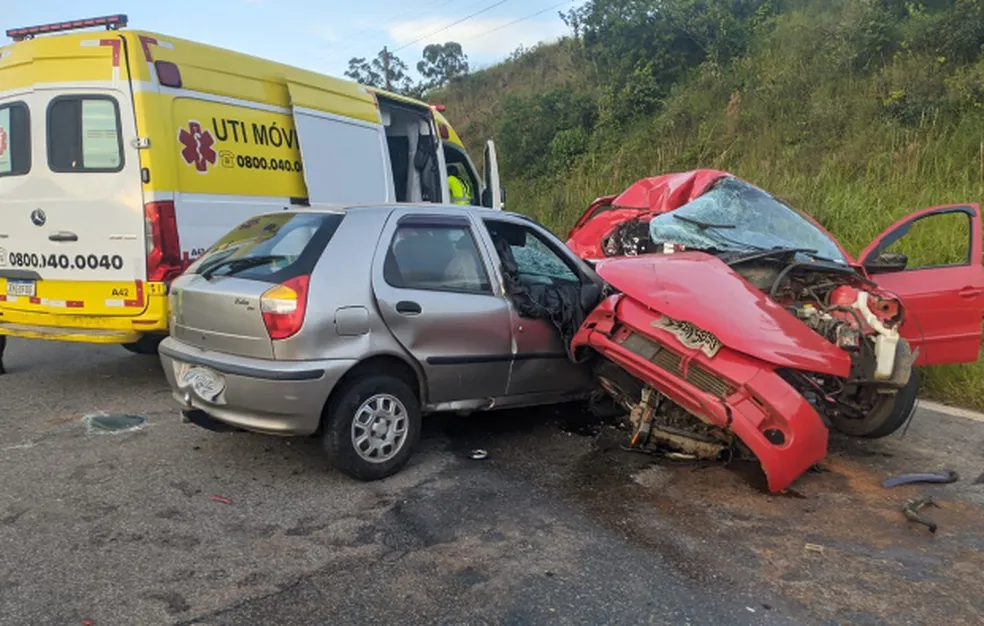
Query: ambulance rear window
{"points": [[15, 139], [84, 134]]}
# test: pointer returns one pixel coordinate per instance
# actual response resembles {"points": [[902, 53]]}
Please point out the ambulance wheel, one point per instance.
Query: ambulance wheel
{"points": [[147, 344]]}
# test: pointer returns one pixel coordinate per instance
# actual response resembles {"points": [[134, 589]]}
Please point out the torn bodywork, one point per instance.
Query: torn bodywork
{"points": [[738, 325]]}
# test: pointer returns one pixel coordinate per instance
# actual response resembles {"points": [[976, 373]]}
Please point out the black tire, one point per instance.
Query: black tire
{"points": [[347, 404], [887, 416], [147, 344]]}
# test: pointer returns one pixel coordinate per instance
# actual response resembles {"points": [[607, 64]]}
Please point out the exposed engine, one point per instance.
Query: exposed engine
{"points": [[833, 300], [629, 238], [845, 309]]}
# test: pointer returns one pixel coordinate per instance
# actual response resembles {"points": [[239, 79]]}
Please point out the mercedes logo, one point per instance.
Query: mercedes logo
{"points": [[38, 218]]}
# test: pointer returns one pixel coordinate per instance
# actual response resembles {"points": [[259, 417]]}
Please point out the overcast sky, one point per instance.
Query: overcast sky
{"points": [[320, 35]]}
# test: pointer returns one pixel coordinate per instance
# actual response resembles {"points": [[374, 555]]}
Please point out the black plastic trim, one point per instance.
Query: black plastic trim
{"points": [[492, 358], [430, 219], [20, 274], [243, 370]]}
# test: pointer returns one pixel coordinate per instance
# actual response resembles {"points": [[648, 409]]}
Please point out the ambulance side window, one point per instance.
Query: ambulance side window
{"points": [[15, 139], [84, 134]]}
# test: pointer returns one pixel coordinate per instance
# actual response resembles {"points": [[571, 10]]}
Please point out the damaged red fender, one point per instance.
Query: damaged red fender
{"points": [[731, 389]]}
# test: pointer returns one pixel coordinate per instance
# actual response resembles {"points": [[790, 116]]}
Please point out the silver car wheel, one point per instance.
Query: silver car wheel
{"points": [[379, 429]]}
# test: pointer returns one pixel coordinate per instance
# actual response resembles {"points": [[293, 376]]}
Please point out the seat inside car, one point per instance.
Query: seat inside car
{"points": [[421, 257], [464, 269]]}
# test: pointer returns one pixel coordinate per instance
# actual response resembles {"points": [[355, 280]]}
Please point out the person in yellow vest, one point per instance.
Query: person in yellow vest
{"points": [[458, 186]]}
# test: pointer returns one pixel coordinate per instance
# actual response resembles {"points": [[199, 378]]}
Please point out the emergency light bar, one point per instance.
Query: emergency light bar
{"points": [[111, 22]]}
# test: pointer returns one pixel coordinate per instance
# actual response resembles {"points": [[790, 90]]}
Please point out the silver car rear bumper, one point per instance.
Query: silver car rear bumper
{"points": [[264, 396]]}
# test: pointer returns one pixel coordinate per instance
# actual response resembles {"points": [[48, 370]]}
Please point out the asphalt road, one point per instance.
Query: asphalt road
{"points": [[552, 528]]}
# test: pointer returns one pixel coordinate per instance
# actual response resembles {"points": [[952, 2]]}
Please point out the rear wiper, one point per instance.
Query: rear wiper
{"points": [[238, 265], [700, 224]]}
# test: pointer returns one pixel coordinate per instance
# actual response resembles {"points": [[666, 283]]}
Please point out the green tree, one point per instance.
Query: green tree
{"points": [[384, 71], [441, 64]]}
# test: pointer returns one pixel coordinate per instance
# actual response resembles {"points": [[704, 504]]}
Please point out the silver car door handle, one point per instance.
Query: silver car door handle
{"points": [[406, 307], [63, 235]]}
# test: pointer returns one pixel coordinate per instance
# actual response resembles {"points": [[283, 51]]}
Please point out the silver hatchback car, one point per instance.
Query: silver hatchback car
{"points": [[350, 324]]}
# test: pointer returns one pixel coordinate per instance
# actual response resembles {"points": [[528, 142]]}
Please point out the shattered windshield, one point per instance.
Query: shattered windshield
{"points": [[737, 217]]}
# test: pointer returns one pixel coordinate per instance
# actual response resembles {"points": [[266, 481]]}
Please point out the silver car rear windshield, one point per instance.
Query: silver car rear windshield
{"points": [[272, 247]]}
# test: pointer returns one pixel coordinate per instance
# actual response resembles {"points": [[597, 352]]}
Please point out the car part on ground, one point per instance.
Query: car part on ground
{"points": [[350, 324], [948, 476], [748, 315], [911, 509]]}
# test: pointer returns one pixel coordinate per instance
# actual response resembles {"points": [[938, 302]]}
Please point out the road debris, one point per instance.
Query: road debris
{"points": [[814, 547], [911, 511], [681, 456], [478, 454], [220, 499], [948, 476]]}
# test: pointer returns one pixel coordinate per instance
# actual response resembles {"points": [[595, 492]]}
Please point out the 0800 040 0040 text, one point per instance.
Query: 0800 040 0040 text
{"points": [[61, 261]]}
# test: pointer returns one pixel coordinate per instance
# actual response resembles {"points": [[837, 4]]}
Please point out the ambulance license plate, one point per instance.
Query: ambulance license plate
{"points": [[26, 288]]}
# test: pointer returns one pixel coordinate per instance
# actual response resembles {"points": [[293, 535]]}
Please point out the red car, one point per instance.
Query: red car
{"points": [[738, 324]]}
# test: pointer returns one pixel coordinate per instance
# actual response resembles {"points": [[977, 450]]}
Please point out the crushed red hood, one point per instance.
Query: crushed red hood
{"points": [[699, 288]]}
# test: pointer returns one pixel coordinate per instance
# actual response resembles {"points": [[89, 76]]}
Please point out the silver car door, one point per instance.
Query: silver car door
{"points": [[433, 290], [540, 363]]}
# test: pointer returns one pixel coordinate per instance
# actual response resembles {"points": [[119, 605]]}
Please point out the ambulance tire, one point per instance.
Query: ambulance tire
{"points": [[147, 344]]}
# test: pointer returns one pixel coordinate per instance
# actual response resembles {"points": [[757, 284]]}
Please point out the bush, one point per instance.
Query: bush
{"points": [[528, 129]]}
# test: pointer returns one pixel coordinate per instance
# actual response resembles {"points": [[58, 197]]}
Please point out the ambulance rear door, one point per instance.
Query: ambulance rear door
{"points": [[72, 226]]}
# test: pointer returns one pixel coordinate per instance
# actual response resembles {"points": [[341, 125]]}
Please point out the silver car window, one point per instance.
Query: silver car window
{"points": [[535, 261], [436, 258]]}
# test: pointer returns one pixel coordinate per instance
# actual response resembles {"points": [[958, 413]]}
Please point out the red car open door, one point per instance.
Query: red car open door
{"points": [[939, 278]]}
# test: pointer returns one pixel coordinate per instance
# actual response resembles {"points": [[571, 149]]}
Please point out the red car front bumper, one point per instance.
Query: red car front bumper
{"points": [[730, 390]]}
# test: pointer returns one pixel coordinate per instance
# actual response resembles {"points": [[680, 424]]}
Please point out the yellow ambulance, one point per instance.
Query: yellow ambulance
{"points": [[125, 154]]}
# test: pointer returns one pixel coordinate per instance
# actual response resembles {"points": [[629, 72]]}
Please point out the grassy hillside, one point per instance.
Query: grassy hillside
{"points": [[857, 111]]}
